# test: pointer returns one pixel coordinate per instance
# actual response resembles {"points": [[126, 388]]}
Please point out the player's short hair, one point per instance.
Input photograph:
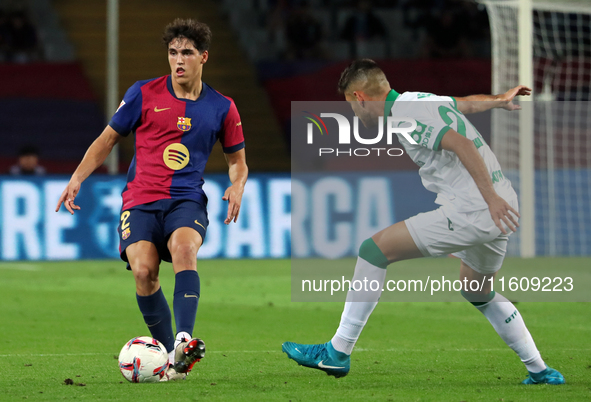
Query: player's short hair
{"points": [[197, 32], [365, 72]]}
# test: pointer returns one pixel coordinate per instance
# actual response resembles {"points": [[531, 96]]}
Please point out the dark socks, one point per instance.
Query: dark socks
{"points": [[157, 317], [186, 298]]}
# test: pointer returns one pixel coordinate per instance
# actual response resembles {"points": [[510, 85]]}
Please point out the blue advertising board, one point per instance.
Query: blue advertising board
{"points": [[304, 215], [32, 230]]}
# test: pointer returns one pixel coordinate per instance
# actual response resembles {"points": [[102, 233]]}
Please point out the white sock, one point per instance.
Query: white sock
{"points": [[180, 337], [359, 304], [507, 321]]}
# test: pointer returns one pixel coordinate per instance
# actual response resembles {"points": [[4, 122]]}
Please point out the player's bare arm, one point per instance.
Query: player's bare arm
{"points": [[466, 151], [481, 103], [238, 172], [95, 156]]}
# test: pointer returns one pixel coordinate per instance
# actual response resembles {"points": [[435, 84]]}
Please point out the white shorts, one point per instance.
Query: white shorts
{"points": [[471, 236]]}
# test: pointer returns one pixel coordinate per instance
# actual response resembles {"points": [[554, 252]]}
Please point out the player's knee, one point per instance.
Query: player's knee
{"points": [[185, 251], [478, 299], [144, 275], [371, 253]]}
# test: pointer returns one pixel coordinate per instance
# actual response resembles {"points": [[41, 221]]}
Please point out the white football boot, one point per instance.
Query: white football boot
{"points": [[171, 375], [187, 352]]}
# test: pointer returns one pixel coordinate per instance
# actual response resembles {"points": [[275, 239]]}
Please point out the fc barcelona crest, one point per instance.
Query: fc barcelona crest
{"points": [[184, 123]]}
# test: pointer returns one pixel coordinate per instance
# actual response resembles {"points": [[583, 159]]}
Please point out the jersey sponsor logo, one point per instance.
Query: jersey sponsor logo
{"points": [[126, 233], [422, 134], [160, 110], [184, 123], [176, 156]]}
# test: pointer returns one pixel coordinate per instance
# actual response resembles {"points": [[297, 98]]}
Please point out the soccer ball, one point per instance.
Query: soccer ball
{"points": [[143, 359]]}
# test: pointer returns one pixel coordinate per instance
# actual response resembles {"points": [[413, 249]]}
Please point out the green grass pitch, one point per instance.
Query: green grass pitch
{"points": [[63, 320]]}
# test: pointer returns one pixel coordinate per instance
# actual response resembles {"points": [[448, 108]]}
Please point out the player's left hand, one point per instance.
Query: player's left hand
{"points": [[501, 212], [233, 195], [507, 97]]}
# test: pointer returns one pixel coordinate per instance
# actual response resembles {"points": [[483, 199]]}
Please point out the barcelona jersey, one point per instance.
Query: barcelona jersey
{"points": [[173, 139]]}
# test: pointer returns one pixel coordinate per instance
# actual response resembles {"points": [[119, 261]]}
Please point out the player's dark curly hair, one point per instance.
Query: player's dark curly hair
{"points": [[358, 70], [197, 32]]}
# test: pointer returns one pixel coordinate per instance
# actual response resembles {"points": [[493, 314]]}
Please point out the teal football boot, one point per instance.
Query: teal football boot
{"points": [[322, 357], [548, 376]]}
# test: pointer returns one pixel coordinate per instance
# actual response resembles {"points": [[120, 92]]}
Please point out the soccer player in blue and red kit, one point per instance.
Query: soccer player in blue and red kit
{"points": [[176, 120]]}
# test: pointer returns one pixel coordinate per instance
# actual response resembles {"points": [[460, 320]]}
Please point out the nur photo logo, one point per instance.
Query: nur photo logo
{"points": [[391, 126]]}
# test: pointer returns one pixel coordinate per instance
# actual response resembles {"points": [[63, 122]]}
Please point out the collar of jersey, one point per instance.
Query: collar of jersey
{"points": [[171, 91], [392, 96]]}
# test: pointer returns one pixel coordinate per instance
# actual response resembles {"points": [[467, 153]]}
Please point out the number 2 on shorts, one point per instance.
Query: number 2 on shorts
{"points": [[124, 223]]}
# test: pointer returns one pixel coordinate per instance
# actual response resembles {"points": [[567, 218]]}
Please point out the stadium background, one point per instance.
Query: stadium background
{"points": [[54, 97], [66, 319]]}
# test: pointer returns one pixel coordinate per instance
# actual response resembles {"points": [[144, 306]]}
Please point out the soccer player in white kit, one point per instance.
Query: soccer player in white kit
{"points": [[478, 210]]}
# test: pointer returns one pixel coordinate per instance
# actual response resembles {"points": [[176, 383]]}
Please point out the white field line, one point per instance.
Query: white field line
{"points": [[223, 352], [20, 267]]}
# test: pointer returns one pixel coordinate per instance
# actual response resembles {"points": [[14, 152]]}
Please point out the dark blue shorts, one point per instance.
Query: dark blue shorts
{"points": [[155, 222]]}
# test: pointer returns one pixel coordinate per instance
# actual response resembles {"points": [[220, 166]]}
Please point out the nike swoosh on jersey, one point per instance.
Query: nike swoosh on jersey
{"points": [[160, 110], [197, 222], [238, 124], [321, 365]]}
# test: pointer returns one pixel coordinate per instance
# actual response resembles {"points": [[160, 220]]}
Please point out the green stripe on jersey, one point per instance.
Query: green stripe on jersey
{"points": [[392, 96], [436, 145]]}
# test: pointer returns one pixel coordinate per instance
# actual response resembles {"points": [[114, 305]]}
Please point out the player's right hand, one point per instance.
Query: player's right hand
{"points": [[68, 196], [501, 212], [507, 97]]}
